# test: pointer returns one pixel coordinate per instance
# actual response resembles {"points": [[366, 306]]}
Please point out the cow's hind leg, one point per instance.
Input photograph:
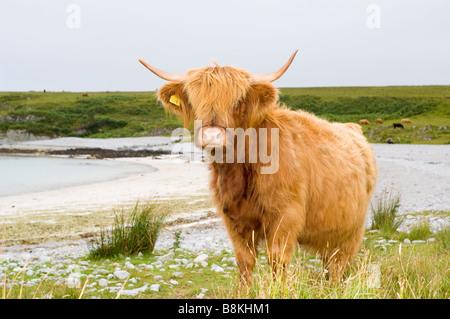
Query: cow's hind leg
{"points": [[336, 259]]}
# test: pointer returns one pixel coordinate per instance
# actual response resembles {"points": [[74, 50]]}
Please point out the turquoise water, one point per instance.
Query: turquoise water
{"points": [[24, 174]]}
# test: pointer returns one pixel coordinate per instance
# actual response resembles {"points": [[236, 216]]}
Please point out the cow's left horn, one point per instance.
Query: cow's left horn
{"points": [[275, 75], [163, 74]]}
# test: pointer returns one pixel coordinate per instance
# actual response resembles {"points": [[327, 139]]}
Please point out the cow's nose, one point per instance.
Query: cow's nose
{"points": [[212, 136]]}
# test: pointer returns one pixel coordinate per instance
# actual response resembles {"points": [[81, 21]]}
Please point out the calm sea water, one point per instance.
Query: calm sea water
{"points": [[23, 174]]}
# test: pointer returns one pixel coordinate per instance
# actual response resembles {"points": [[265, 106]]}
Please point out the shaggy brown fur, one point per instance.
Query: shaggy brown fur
{"points": [[320, 193]]}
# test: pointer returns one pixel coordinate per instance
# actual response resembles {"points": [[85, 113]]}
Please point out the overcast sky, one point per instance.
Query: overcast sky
{"points": [[94, 45]]}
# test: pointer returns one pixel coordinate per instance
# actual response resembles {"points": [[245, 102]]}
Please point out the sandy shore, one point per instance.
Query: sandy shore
{"points": [[173, 178], [421, 173]]}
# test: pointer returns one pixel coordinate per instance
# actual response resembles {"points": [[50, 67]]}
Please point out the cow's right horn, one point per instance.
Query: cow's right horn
{"points": [[275, 75], [163, 74]]}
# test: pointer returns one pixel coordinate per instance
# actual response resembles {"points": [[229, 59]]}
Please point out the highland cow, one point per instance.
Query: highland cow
{"points": [[364, 122], [325, 176]]}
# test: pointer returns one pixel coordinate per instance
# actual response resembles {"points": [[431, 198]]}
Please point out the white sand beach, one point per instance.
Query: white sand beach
{"points": [[421, 173]]}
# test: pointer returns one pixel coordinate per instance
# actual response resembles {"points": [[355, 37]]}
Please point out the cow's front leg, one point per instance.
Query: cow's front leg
{"points": [[281, 241], [245, 243]]}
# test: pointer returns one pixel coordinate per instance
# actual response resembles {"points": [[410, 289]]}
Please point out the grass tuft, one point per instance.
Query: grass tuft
{"points": [[130, 235], [384, 213]]}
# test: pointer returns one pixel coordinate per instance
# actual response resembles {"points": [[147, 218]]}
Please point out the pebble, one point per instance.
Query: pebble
{"points": [[167, 257], [121, 274], [103, 282], [73, 282], [155, 287], [200, 258], [129, 265], [216, 268], [134, 292]]}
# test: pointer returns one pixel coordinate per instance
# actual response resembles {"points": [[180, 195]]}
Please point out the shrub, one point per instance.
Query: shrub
{"points": [[129, 236]]}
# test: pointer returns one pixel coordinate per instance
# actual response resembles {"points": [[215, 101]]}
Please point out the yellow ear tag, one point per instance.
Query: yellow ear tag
{"points": [[174, 99]]}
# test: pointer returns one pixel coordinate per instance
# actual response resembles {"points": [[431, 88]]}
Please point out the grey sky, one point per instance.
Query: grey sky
{"points": [[40, 48]]}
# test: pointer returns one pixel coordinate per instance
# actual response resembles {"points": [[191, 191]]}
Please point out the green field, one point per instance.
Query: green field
{"points": [[133, 114]]}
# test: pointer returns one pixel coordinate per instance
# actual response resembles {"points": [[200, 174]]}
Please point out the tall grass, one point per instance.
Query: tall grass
{"points": [[130, 234], [384, 213]]}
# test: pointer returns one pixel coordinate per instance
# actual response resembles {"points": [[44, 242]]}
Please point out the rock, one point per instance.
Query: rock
{"points": [[134, 292], [129, 265], [121, 274], [178, 274], [157, 277], [167, 257], [418, 241], [155, 287], [103, 282], [173, 282], [200, 258], [73, 281], [407, 241], [200, 295], [216, 268], [431, 240], [203, 263], [374, 278]]}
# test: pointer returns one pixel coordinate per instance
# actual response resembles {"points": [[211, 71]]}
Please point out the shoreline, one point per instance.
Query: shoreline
{"points": [[419, 172]]}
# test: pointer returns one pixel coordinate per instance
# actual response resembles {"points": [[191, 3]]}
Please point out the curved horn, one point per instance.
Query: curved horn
{"points": [[275, 75], [163, 74]]}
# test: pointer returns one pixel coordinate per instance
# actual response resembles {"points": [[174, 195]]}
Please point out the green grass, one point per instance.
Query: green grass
{"points": [[384, 213], [131, 114], [131, 234], [385, 268], [398, 271], [101, 114]]}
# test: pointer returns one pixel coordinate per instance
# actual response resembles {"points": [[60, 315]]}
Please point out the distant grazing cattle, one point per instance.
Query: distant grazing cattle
{"points": [[379, 121], [399, 125], [406, 121], [84, 94], [323, 173], [364, 122]]}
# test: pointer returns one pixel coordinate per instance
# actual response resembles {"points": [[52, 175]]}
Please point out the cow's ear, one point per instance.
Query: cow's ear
{"points": [[260, 97], [174, 100]]}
